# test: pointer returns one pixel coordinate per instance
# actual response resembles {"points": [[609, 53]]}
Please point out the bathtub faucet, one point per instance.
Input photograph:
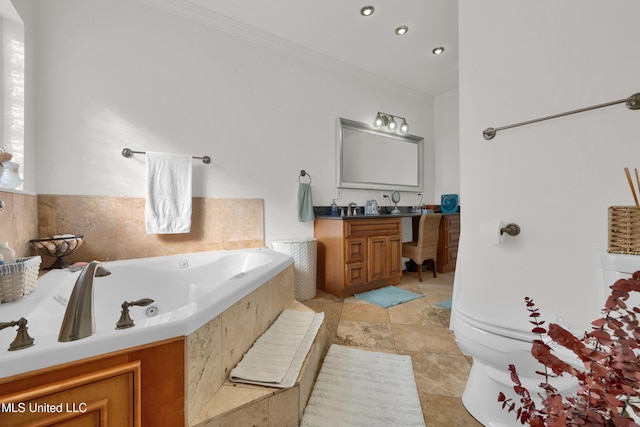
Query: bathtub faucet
{"points": [[79, 321]]}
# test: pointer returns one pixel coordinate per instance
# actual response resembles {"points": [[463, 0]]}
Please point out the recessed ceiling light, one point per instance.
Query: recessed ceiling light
{"points": [[367, 10], [402, 30], [438, 50]]}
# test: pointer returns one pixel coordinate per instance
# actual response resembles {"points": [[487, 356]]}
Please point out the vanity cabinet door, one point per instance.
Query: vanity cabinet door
{"points": [[384, 257], [448, 243], [394, 257], [377, 258]]}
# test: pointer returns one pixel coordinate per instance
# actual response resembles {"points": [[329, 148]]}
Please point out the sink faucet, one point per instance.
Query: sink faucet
{"points": [[350, 211], [79, 321]]}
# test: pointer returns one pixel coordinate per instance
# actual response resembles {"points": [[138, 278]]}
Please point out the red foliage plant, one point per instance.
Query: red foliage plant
{"points": [[610, 382]]}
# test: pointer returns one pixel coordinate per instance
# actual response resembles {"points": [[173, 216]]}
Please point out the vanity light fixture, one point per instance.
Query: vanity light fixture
{"points": [[388, 121], [367, 11], [402, 30], [437, 50]]}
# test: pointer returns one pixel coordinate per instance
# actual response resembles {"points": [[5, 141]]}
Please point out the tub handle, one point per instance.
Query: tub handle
{"points": [[23, 340], [125, 320], [141, 302]]}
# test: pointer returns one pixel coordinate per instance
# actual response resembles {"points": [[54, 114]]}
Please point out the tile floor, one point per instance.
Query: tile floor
{"points": [[417, 328]]}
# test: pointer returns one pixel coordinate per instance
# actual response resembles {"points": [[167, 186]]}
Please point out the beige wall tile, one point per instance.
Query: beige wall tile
{"points": [[114, 228], [283, 408], [255, 414], [25, 223], [204, 366], [7, 219], [18, 222]]}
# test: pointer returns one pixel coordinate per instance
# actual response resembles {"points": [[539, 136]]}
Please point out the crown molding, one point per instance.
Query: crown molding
{"points": [[207, 17], [446, 96]]}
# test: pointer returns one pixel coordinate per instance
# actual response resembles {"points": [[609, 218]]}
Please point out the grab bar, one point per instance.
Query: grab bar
{"points": [[127, 152]]}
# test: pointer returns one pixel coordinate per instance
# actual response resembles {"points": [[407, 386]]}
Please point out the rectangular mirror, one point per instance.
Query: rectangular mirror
{"points": [[369, 158]]}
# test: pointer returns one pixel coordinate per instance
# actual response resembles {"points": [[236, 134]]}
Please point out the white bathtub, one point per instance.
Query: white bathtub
{"points": [[188, 290]]}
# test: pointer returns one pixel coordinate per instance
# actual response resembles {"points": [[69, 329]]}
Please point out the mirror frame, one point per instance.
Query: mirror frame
{"points": [[341, 182]]}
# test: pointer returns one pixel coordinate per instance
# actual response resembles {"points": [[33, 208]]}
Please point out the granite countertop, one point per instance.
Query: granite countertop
{"points": [[362, 216], [323, 212]]}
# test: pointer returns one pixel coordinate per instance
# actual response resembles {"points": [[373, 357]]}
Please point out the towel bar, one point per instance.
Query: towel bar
{"points": [[127, 152], [632, 103]]}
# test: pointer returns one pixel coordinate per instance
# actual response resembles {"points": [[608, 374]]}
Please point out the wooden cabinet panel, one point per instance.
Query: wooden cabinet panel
{"points": [[355, 250], [376, 258], [448, 243], [394, 257], [106, 397], [357, 255], [106, 383], [356, 274]]}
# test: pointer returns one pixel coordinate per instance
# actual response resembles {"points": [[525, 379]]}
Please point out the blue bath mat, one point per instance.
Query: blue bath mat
{"points": [[388, 296], [446, 304]]}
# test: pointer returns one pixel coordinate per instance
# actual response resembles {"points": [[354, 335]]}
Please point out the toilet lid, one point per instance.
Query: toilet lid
{"points": [[500, 317]]}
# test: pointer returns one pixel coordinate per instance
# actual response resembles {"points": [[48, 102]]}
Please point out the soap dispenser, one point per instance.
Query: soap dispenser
{"points": [[7, 253], [334, 208]]}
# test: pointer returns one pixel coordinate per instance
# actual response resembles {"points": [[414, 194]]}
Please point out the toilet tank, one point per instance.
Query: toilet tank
{"points": [[612, 267]]}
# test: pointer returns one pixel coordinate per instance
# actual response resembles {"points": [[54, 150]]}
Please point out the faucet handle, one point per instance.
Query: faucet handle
{"points": [[141, 302], [22, 340], [125, 320]]}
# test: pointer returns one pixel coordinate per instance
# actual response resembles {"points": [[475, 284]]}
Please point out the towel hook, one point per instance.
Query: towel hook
{"points": [[304, 173]]}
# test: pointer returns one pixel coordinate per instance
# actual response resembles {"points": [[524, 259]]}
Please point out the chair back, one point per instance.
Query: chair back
{"points": [[428, 234]]}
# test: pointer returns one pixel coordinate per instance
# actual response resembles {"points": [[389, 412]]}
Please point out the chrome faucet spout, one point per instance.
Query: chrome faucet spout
{"points": [[79, 321]]}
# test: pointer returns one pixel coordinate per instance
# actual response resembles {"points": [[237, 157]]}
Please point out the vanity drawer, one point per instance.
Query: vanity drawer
{"points": [[355, 274], [355, 249], [372, 227]]}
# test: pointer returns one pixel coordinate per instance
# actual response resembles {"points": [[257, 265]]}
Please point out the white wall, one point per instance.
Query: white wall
{"points": [[121, 73], [524, 60], [447, 145]]}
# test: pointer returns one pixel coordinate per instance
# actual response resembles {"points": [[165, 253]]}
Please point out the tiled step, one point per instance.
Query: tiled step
{"points": [[247, 404]]}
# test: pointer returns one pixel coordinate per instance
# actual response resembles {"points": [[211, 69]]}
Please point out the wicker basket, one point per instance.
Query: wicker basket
{"points": [[18, 279], [624, 230], [303, 251]]}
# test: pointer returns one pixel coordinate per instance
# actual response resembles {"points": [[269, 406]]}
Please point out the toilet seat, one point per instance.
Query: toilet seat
{"points": [[499, 317]]}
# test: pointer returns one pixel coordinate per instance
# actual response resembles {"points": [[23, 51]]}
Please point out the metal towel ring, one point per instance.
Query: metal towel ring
{"points": [[304, 173]]}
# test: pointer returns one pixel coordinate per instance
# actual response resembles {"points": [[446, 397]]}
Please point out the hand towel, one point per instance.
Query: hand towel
{"points": [[305, 203], [168, 205]]}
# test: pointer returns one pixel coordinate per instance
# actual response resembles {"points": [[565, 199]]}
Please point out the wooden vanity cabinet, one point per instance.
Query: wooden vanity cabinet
{"points": [[143, 386], [357, 255], [448, 243]]}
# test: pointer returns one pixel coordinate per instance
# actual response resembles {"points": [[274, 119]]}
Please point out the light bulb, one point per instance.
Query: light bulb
{"points": [[404, 127], [367, 10], [392, 124], [438, 50], [402, 30], [378, 121]]}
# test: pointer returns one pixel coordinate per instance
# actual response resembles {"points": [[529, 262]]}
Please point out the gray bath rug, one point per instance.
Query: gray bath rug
{"points": [[364, 388]]}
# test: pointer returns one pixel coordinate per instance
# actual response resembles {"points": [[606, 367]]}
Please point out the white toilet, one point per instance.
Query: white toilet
{"points": [[612, 267], [497, 333]]}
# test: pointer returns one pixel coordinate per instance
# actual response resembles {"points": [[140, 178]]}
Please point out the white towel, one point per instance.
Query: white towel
{"points": [[168, 206], [277, 356]]}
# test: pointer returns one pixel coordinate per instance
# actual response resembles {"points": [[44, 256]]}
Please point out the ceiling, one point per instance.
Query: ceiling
{"points": [[335, 28]]}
